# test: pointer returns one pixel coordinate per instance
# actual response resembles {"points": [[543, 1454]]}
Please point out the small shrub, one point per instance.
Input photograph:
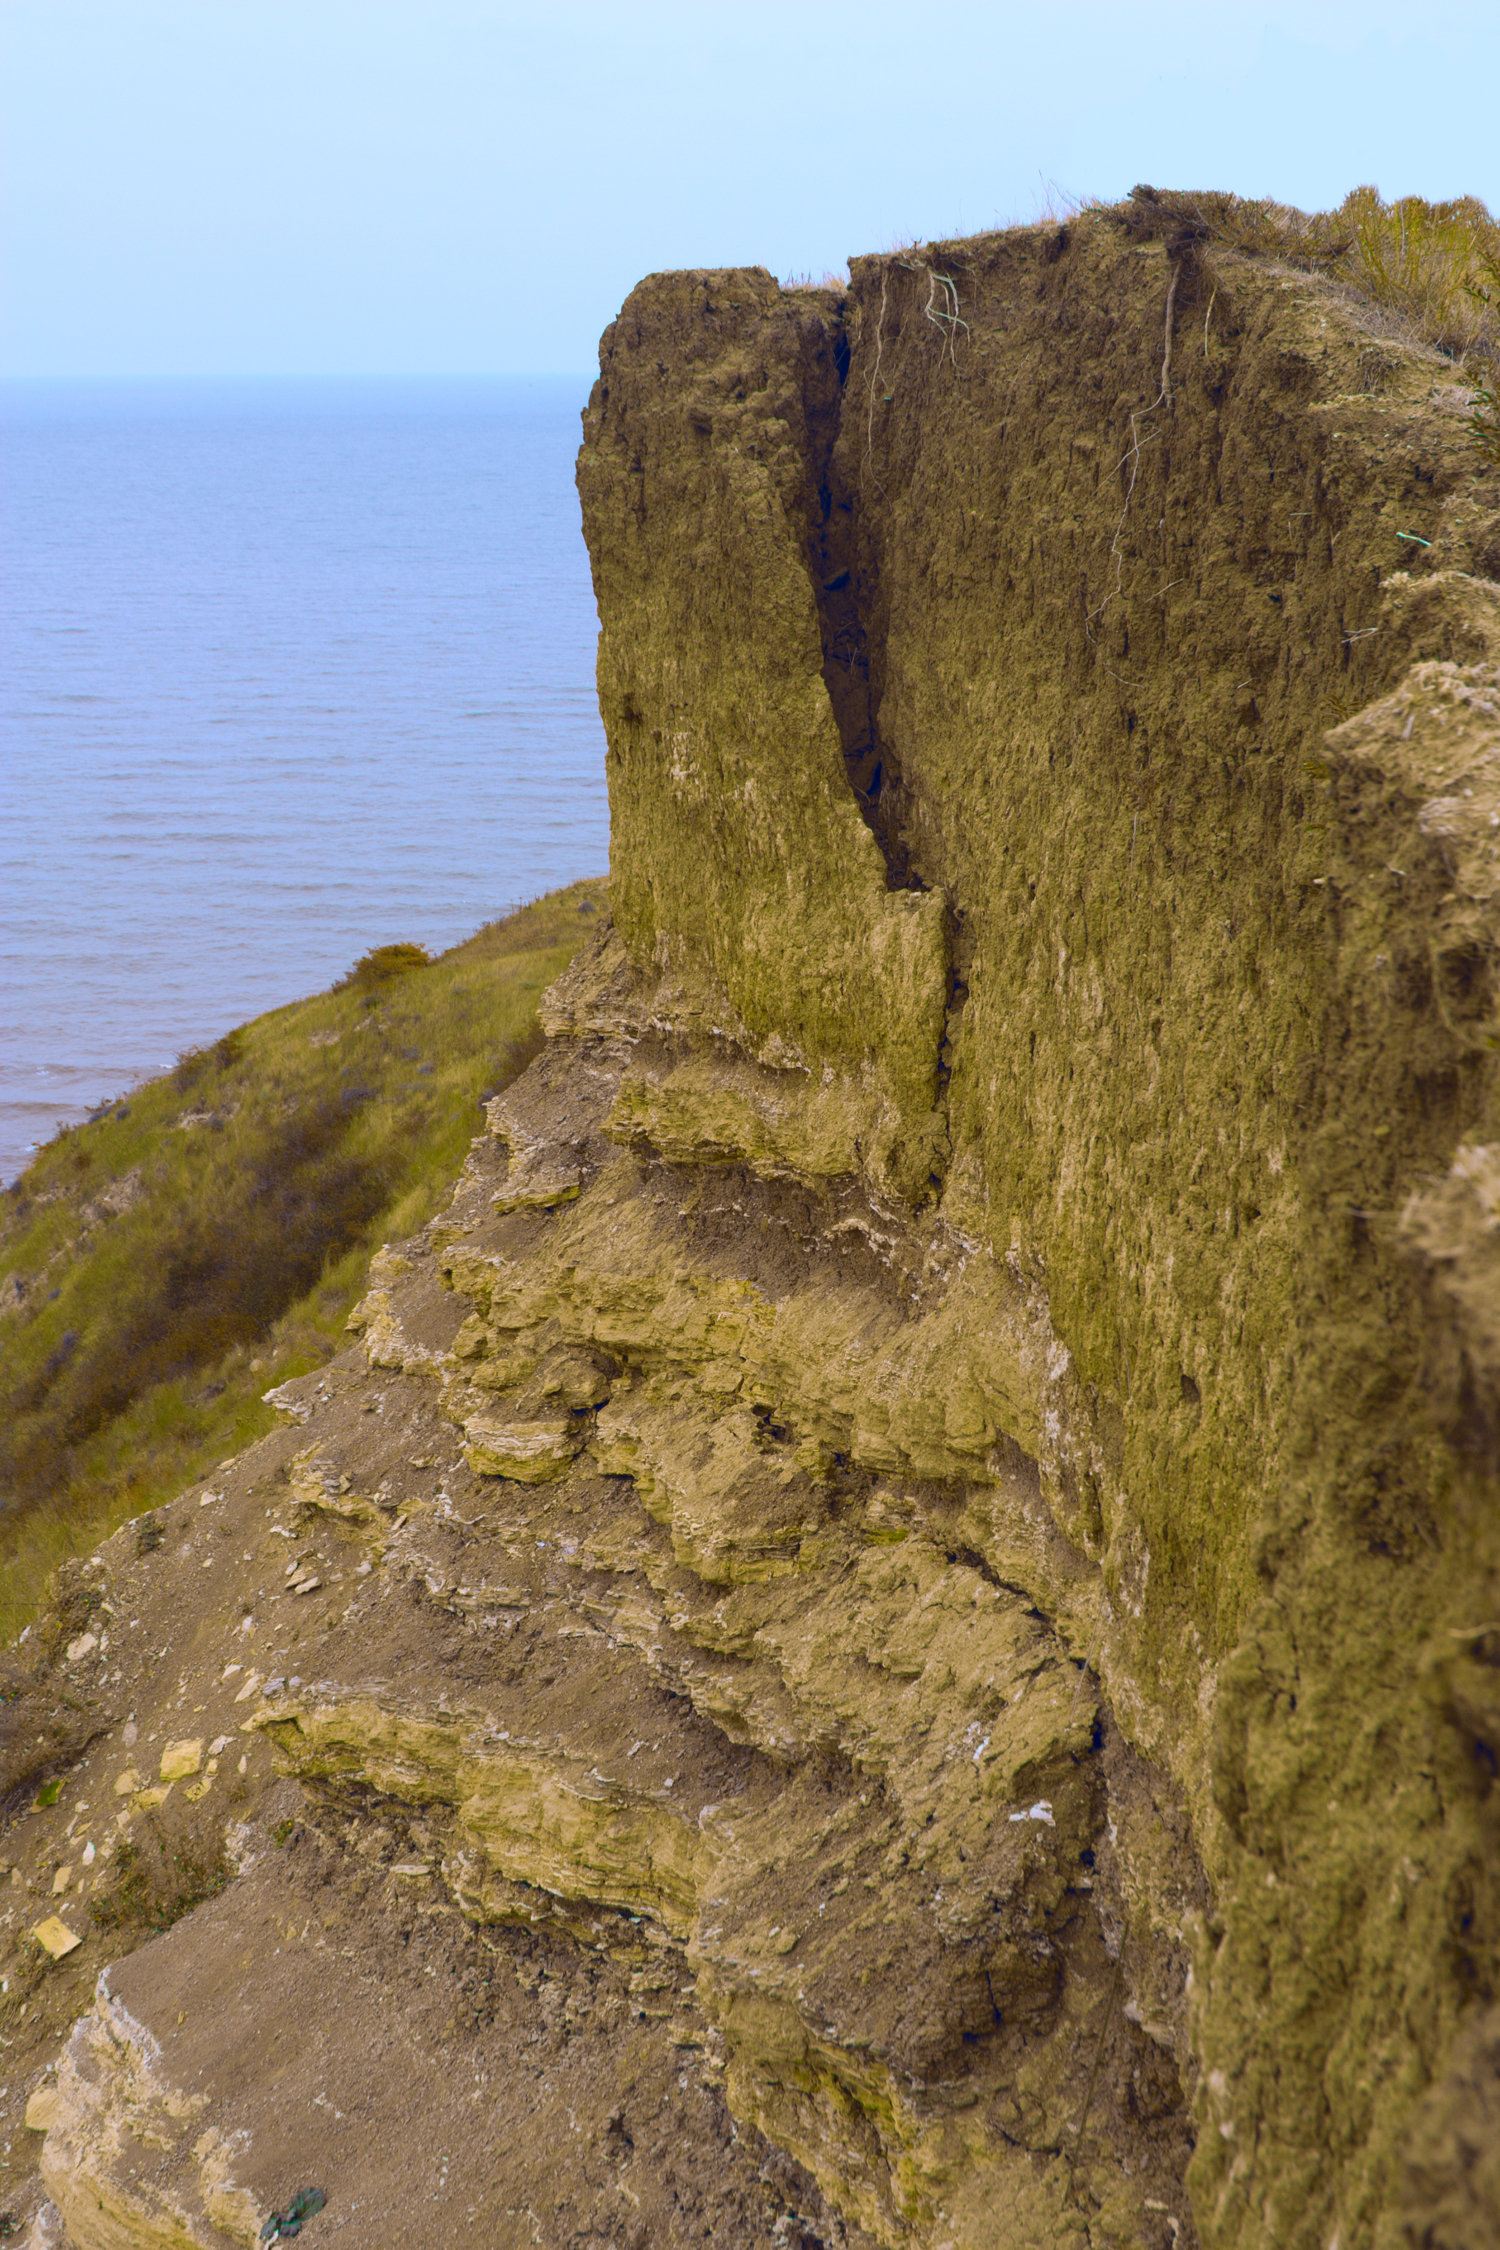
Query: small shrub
{"points": [[383, 965]]}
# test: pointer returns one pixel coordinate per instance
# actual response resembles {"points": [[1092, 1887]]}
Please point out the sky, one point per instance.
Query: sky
{"points": [[347, 187]]}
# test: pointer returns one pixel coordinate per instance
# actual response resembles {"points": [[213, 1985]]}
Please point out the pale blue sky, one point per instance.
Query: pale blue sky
{"points": [[253, 187]]}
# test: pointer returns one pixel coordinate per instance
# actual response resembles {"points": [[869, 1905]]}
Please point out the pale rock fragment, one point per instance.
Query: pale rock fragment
{"points": [[284, 1401], [528, 1452], [114, 2103], [539, 1189], [42, 2109], [181, 1759], [55, 1936]]}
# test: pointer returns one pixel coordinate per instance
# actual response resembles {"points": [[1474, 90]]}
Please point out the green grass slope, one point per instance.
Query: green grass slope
{"points": [[204, 1237]]}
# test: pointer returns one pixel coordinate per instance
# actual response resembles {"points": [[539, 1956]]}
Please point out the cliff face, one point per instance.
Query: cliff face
{"points": [[913, 1565], [970, 674]]}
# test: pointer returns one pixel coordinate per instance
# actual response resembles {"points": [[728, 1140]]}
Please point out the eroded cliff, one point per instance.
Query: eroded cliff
{"points": [[902, 1600]]}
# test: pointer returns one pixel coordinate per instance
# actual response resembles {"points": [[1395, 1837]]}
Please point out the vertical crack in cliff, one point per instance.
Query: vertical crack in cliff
{"points": [[844, 611], [844, 590]]}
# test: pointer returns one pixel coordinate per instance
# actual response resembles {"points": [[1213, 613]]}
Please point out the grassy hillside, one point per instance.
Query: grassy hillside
{"points": [[204, 1237]]}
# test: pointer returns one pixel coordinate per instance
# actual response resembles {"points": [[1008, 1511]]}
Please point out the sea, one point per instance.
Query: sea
{"points": [[290, 669]]}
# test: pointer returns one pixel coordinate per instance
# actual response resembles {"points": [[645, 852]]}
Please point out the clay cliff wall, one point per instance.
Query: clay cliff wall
{"points": [[1053, 720]]}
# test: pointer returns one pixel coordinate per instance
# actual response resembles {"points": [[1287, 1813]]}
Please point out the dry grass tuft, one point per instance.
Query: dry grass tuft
{"points": [[836, 284], [1435, 264]]}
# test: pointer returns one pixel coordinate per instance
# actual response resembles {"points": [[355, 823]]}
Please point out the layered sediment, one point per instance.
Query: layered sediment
{"points": [[901, 1601]]}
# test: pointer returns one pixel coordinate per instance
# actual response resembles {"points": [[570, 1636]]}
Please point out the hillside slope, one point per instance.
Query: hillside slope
{"points": [[890, 1631], [208, 1232]]}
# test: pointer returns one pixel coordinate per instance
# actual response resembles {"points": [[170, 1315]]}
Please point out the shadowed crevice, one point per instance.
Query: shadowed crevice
{"points": [[834, 570]]}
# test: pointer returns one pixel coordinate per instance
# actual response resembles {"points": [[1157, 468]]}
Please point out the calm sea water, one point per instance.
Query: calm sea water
{"points": [[291, 670]]}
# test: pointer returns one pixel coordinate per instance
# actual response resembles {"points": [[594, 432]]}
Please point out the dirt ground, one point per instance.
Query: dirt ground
{"points": [[326, 2008]]}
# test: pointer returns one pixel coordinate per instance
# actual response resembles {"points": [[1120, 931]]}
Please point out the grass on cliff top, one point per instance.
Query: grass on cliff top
{"points": [[205, 1237], [1428, 272], [1431, 269]]}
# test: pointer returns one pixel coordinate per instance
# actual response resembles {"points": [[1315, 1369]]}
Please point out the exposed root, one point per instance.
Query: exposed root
{"points": [[1133, 455], [942, 311], [944, 318], [1165, 396]]}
